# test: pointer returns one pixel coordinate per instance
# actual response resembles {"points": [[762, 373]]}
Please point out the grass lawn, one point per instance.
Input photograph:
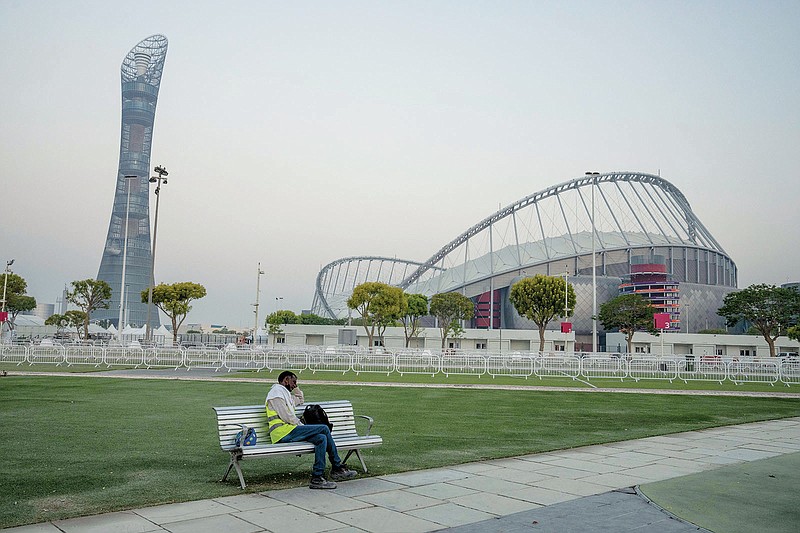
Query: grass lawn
{"points": [[75, 446]]}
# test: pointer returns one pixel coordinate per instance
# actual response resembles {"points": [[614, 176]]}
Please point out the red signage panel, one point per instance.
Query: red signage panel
{"points": [[661, 320], [566, 327]]}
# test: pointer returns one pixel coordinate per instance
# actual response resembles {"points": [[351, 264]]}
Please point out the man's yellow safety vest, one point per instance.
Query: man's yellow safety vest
{"points": [[277, 427]]}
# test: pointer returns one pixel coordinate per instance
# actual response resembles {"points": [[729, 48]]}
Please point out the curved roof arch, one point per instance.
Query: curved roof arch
{"points": [[602, 212]]}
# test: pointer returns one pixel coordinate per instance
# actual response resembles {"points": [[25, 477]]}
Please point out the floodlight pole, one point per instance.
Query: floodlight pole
{"points": [[594, 268], [5, 285], [162, 173], [124, 259], [255, 305]]}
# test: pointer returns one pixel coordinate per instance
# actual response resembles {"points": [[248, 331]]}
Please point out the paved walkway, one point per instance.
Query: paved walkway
{"points": [[584, 489]]}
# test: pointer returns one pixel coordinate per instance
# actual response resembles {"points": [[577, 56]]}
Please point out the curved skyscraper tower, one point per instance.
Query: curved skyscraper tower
{"points": [[125, 265]]}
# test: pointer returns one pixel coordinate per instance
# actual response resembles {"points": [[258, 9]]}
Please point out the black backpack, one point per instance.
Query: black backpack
{"points": [[314, 414]]}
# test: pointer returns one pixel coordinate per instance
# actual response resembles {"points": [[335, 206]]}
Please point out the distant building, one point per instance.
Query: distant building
{"points": [[127, 245]]}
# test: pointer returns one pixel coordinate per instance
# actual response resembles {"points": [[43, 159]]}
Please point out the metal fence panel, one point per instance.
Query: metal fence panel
{"points": [[790, 371], [52, 353], [164, 357], [13, 353], [413, 362], [203, 357], [702, 368], [330, 360], [463, 364], [124, 356], [373, 362], [599, 367], [754, 371], [653, 368], [84, 355], [513, 365], [295, 360], [244, 359], [557, 366]]}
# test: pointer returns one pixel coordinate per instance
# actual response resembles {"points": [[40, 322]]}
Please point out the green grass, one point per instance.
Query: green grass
{"points": [[734, 498], [74, 446]]}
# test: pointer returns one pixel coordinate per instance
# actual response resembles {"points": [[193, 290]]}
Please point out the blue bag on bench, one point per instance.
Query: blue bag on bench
{"points": [[249, 439]]}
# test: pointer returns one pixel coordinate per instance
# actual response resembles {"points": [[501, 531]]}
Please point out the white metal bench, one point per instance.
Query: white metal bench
{"points": [[231, 420]]}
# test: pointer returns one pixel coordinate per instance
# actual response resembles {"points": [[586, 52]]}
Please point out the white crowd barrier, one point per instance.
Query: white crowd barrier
{"points": [[343, 359]]}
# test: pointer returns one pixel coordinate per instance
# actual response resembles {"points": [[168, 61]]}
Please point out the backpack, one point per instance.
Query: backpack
{"points": [[249, 439], [314, 414]]}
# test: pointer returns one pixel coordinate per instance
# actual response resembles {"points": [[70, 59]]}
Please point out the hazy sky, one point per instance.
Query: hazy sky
{"points": [[296, 133]]}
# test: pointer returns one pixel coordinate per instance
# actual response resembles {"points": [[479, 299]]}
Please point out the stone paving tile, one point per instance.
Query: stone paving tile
{"points": [[541, 496], [683, 464], [400, 500], [517, 476], [174, 512], [426, 477], [651, 473], [359, 487], [45, 527], [563, 471], [450, 515], [288, 518], [514, 464], [441, 491], [488, 484], [472, 468], [318, 501], [493, 503], [122, 522], [614, 480], [572, 486], [246, 502], [213, 524], [588, 466], [744, 454], [629, 459], [377, 520]]}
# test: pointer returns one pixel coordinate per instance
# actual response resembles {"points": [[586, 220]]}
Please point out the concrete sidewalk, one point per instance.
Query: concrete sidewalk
{"points": [[584, 489]]}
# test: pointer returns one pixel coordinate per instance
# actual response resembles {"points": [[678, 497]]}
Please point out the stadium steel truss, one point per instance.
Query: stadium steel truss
{"points": [[638, 219], [130, 220]]}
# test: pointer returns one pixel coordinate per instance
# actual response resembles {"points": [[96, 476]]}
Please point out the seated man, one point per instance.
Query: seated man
{"points": [[284, 426]]}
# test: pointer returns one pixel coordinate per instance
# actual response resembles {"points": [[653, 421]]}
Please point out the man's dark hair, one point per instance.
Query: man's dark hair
{"points": [[286, 374]]}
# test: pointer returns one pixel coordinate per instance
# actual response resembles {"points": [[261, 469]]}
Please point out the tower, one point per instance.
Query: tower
{"points": [[127, 246]]}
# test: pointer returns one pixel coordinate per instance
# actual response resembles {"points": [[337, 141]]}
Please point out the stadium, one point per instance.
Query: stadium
{"points": [[638, 229]]}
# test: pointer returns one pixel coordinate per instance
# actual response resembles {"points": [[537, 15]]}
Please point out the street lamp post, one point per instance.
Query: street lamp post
{"points": [[594, 268], [5, 286], [255, 305], [124, 257], [162, 178]]}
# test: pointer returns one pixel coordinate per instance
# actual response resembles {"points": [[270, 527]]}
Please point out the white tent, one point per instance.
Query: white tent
{"points": [[163, 334], [111, 329]]}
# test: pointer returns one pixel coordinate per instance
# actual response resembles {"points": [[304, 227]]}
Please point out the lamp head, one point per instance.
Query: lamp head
{"points": [[165, 181], [9, 263], [153, 179]]}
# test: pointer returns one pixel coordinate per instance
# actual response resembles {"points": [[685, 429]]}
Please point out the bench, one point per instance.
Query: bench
{"points": [[231, 420]]}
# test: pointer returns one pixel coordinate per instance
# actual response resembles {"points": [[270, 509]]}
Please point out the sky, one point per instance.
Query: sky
{"points": [[297, 133]]}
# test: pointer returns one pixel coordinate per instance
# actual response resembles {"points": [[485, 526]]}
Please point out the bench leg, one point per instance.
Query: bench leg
{"points": [[358, 454], [235, 464]]}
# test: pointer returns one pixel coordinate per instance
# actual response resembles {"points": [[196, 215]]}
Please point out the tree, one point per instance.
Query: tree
{"points": [[16, 299], [450, 308], [89, 294], [316, 320], [416, 308], [75, 319], [628, 313], [540, 299], [275, 320], [377, 303], [793, 333], [770, 309], [174, 301]]}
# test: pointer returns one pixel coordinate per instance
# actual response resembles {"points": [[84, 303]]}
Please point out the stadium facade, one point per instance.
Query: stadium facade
{"points": [[645, 238], [127, 245]]}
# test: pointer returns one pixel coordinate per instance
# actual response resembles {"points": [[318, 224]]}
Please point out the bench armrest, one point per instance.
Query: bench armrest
{"points": [[369, 419]]}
